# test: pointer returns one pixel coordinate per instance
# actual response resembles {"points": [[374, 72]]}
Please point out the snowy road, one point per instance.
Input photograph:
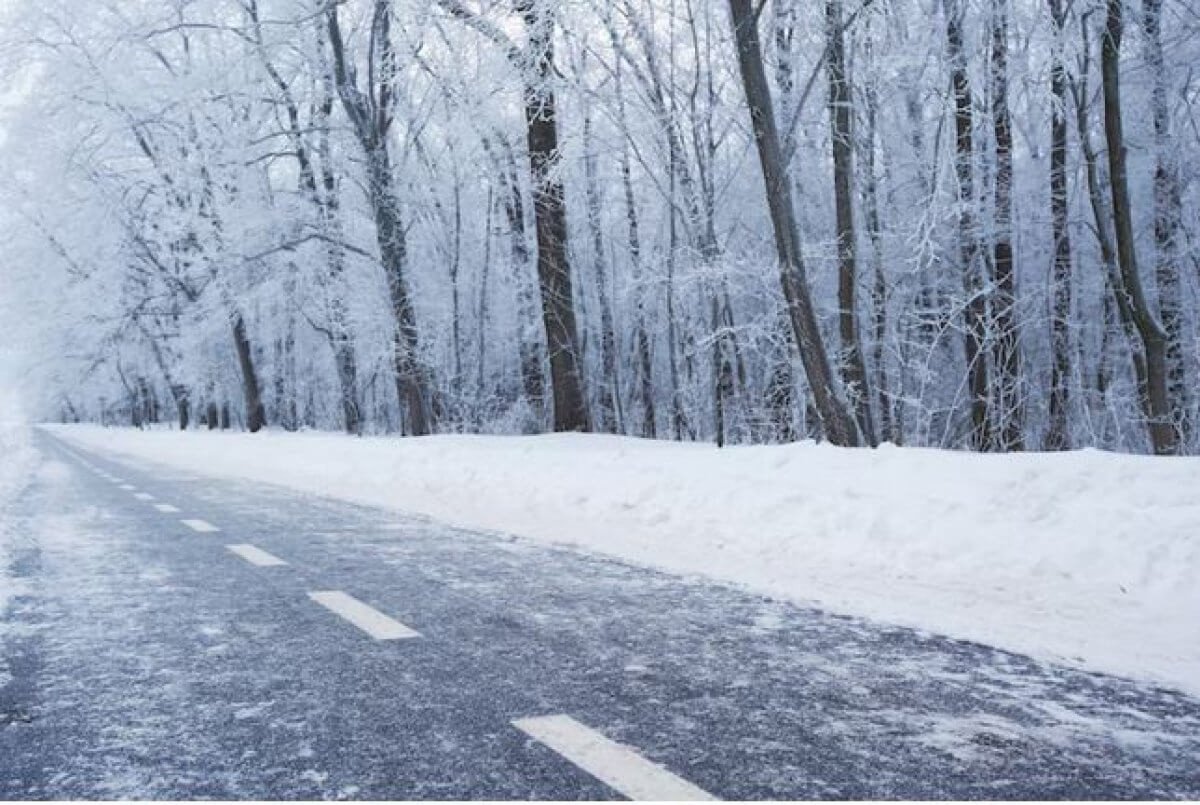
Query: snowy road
{"points": [[178, 637]]}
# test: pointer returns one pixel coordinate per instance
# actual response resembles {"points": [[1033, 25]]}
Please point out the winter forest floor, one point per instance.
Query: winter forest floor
{"points": [[1086, 558]]}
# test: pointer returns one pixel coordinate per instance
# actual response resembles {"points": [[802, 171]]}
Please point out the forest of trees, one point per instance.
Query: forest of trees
{"points": [[950, 223]]}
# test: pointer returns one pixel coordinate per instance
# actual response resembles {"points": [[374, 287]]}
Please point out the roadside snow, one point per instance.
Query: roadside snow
{"points": [[1084, 557], [18, 460]]}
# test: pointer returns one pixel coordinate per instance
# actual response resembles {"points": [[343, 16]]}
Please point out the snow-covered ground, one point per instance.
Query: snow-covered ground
{"points": [[1084, 557], [18, 460]]}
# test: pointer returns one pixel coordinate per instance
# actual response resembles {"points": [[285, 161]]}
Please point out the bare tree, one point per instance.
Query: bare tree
{"points": [[1006, 346], [535, 63], [1163, 435], [371, 115], [1058, 435], [853, 364], [973, 272], [1168, 222], [839, 425]]}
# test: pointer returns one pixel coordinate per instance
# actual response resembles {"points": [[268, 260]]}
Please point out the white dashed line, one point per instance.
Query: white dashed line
{"points": [[144, 496], [369, 619], [613, 764], [166, 508], [200, 525], [256, 556]]}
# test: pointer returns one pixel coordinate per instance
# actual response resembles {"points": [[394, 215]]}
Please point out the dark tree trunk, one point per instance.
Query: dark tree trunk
{"points": [[975, 330], [1058, 436], [393, 249], [838, 424], [1009, 403], [1168, 223], [482, 316], [256, 416], [853, 364], [182, 406], [879, 296], [347, 370], [371, 119], [1102, 217], [550, 215], [1163, 435]]}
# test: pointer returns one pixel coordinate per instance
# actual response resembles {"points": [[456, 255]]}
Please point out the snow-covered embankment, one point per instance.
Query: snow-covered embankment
{"points": [[1086, 557]]}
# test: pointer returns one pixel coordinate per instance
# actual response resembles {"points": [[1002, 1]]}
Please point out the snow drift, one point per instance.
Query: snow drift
{"points": [[1084, 557]]}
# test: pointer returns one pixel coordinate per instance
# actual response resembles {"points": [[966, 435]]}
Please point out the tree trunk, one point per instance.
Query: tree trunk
{"points": [[781, 384], [852, 363], [482, 317], [370, 115], [1102, 218], [610, 390], [1058, 436], [393, 249], [643, 362], [839, 425], [182, 406], [529, 339], [324, 196], [256, 416], [1009, 403], [550, 215], [879, 294], [179, 392], [329, 205], [975, 330], [1163, 435], [1168, 223]]}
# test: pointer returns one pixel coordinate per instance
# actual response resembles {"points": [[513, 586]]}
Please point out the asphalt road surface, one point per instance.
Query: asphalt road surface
{"points": [[338, 651]]}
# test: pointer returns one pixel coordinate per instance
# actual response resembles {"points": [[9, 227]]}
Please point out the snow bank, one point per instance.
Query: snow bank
{"points": [[1084, 557], [18, 459]]}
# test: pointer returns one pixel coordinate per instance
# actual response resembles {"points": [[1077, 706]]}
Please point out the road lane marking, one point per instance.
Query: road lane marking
{"points": [[166, 508], [613, 764], [369, 619], [128, 487], [200, 525], [144, 496], [256, 556]]}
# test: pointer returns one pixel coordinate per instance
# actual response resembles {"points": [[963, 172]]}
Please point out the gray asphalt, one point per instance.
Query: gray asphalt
{"points": [[144, 660]]}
